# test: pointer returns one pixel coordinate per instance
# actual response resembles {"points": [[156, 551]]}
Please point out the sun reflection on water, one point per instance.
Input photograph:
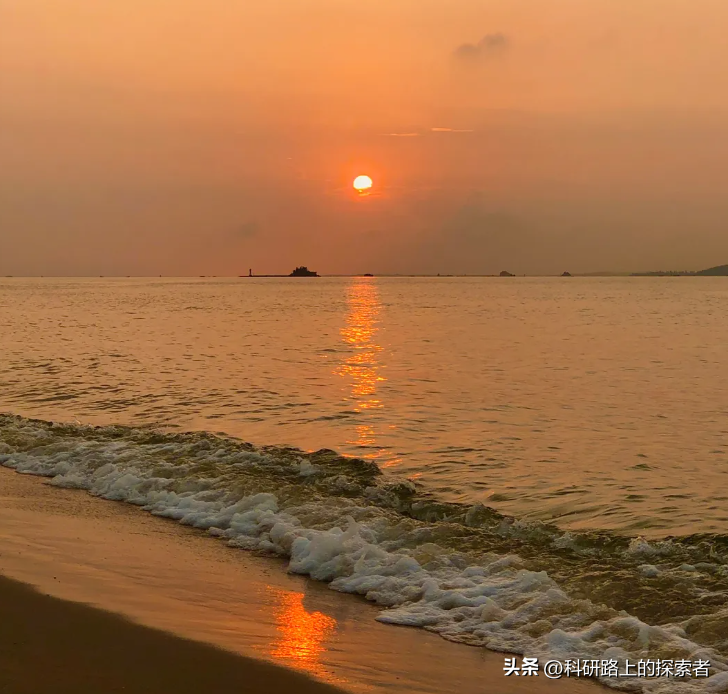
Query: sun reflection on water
{"points": [[362, 367], [302, 634]]}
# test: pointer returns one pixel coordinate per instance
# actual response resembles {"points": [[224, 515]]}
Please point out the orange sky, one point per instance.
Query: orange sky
{"points": [[211, 136]]}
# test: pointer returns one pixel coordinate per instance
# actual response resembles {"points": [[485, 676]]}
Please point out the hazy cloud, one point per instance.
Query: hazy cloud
{"points": [[246, 230], [478, 238], [450, 130], [490, 45]]}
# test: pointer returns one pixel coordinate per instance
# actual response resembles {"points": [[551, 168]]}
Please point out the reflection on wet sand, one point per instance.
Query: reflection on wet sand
{"points": [[362, 367], [302, 634]]}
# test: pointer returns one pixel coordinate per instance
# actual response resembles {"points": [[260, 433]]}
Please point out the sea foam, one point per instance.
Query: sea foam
{"points": [[468, 574]]}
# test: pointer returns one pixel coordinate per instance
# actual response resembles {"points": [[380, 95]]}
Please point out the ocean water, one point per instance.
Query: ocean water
{"points": [[533, 465], [592, 403]]}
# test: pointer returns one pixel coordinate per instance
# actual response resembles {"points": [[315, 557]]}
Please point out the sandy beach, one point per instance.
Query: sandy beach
{"points": [[194, 615], [52, 645]]}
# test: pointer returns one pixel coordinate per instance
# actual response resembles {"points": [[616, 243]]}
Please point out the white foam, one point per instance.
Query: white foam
{"points": [[649, 570], [360, 549], [306, 468]]}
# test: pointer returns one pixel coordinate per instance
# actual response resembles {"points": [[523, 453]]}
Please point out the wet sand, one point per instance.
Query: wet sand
{"points": [[60, 647], [272, 630]]}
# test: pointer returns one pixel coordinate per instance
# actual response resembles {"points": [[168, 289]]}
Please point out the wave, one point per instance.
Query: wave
{"points": [[468, 573]]}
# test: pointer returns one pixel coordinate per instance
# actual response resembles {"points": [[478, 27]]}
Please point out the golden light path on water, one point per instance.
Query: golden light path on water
{"points": [[363, 366], [303, 635]]}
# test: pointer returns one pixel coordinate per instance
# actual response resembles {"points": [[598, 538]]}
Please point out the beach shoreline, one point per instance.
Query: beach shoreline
{"points": [[188, 587], [52, 645]]}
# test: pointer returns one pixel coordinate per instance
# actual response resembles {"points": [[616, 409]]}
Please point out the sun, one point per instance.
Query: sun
{"points": [[362, 183]]}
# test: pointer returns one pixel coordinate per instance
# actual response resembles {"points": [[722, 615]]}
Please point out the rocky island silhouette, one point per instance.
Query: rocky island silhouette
{"points": [[303, 271]]}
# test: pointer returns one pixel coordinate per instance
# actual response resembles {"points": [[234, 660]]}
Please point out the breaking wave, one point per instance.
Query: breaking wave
{"points": [[467, 573]]}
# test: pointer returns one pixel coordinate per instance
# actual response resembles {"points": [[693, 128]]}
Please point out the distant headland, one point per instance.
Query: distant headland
{"points": [[717, 271]]}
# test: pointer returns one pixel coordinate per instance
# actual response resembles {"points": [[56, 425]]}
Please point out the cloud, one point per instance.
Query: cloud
{"points": [[489, 46], [476, 238], [246, 230], [431, 130]]}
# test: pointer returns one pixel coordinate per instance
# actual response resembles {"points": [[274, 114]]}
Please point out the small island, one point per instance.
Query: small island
{"points": [[505, 273], [303, 271], [566, 274]]}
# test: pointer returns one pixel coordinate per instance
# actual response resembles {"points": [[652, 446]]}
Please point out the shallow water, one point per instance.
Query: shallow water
{"points": [[592, 403], [465, 572]]}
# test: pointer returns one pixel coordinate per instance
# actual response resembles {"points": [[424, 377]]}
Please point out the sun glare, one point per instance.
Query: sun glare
{"points": [[362, 183]]}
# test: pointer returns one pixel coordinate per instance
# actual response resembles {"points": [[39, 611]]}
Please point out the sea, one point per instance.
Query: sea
{"points": [[532, 465]]}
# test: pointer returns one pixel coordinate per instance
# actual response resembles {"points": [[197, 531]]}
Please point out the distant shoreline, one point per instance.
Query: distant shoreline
{"points": [[719, 271]]}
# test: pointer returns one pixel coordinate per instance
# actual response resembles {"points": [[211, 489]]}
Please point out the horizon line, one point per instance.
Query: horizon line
{"points": [[688, 273]]}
